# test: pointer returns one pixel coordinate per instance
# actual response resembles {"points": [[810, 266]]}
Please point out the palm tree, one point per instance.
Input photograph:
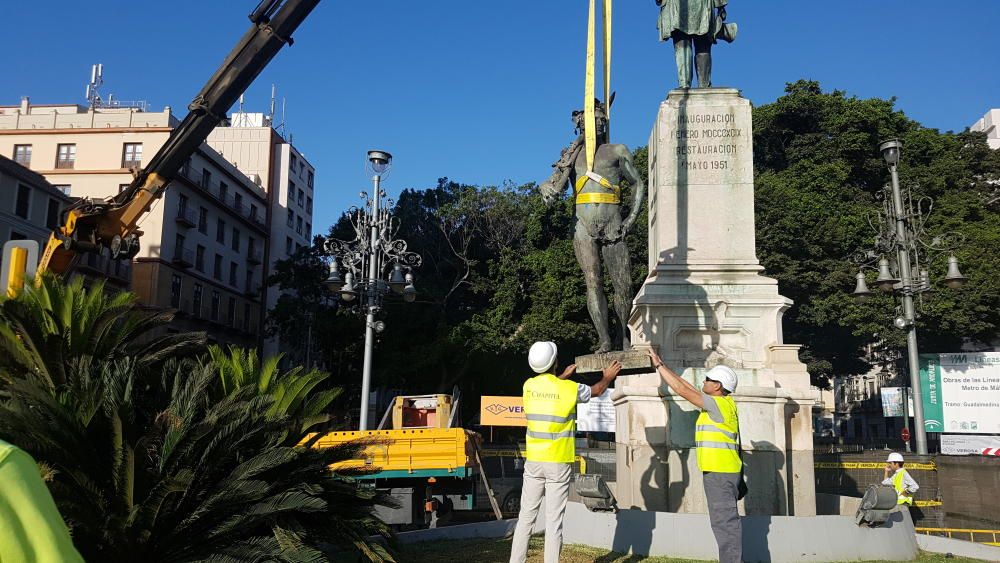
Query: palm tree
{"points": [[48, 326], [293, 390], [194, 478]]}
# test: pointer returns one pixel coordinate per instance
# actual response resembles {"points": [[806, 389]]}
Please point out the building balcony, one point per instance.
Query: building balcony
{"points": [[253, 257], [183, 257], [116, 271], [186, 217]]}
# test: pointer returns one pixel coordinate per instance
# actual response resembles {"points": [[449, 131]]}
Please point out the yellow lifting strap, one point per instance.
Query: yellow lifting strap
{"points": [[596, 197], [589, 110]]}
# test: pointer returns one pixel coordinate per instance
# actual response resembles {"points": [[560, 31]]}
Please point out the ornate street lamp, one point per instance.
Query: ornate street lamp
{"points": [[375, 264], [899, 244]]}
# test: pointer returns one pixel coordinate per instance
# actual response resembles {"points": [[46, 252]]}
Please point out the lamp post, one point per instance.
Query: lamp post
{"points": [[900, 241], [375, 263]]}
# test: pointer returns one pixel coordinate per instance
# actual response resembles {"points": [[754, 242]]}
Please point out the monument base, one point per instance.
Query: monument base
{"points": [[704, 303]]}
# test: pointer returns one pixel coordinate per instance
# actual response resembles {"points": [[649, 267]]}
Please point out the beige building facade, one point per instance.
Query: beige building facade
{"points": [[203, 244]]}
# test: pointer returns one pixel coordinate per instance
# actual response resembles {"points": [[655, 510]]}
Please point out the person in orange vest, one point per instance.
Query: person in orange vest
{"points": [[31, 529], [550, 409], [899, 479], [717, 440]]}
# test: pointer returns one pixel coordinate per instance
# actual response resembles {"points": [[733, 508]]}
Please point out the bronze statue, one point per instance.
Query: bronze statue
{"points": [[600, 230], [700, 22]]}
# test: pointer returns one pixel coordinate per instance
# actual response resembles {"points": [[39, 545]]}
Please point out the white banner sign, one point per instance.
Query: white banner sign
{"points": [[963, 444], [598, 415], [961, 392]]}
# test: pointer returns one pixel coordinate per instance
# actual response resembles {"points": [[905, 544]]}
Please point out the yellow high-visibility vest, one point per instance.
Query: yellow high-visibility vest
{"points": [[717, 443], [550, 409], [901, 494]]}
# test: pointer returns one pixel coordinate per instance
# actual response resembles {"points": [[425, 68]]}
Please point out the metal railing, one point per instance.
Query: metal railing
{"points": [[988, 537], [183, 257], [186, 216], [227, 199]]}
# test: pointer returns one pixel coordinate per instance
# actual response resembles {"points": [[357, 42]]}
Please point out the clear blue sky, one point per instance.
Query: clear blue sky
{"points": [[481, 91]]}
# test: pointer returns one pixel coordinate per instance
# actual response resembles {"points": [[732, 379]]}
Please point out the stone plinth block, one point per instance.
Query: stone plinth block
{"points": [[633, 361]]}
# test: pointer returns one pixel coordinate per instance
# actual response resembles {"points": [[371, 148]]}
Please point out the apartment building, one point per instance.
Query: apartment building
{"points": [[203, 243], [988, 124], [29, 205], [252, 144]]}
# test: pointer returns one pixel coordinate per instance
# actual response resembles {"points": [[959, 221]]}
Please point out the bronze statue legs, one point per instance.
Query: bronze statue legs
{"points": [[702, 58], [589, 251]]}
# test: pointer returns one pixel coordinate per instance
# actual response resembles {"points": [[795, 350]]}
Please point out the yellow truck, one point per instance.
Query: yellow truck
{"points": [[421, 460]]}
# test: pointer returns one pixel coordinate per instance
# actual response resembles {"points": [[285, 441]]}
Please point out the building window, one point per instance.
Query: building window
{"points": [[22, 206], [22, 154], [220, 231], [298, 225], [196, 300], [217, 271], [65, 188], [311, 176], [253, 212], [293, 167], [175, 291], [65, 155], [223, 192], [215, 306], [52, 214], [249, 280], [291, 192], [302, 198], [231, 313], [238, 202], [179, 247], [182, 205], [199, 258], [236, 239], [288, 246], [232, 274], [246, 317], [309, 230], [203, 221], [132, 155], [206, 178], [309, 205], [251, 247], [291, 218]]}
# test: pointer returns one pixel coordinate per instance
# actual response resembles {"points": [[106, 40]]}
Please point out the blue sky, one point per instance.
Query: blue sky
{"points": [[481, 92]]}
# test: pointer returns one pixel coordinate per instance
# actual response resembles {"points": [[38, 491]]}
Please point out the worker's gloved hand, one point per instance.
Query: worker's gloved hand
{"points": [[568, 372]]}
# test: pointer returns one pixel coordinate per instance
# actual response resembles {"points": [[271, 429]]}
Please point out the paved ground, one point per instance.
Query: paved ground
{"points": [[498, 551]]}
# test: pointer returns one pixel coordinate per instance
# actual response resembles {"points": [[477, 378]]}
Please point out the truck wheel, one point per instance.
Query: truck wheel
{"points": [[511, 502]]}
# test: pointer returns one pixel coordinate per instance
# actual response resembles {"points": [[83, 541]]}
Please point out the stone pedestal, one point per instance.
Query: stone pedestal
{"points": [[707, 302]]}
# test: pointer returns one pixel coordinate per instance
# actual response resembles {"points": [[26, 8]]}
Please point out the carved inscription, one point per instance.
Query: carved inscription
{"points": [[708, 141]]}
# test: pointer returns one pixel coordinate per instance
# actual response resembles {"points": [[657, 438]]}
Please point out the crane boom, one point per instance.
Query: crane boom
{"points": [[92, 225]]}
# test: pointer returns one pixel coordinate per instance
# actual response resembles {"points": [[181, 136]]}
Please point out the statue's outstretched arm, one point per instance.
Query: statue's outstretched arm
{"points": [[553, 187]]}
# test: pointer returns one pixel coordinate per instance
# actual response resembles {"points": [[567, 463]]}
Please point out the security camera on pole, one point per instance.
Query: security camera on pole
{"points": [[375, 263]]}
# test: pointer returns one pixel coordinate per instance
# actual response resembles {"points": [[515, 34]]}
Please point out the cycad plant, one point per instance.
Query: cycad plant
{"points": [[293, 391], [45, 327]]}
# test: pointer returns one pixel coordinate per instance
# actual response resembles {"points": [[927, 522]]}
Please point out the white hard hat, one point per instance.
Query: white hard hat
{"points": [[542, 356], [895, 457], [724, 375]]}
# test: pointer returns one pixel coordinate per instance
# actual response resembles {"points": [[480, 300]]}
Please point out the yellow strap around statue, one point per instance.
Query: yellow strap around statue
{"points": [[589, 119], [596, 197]]}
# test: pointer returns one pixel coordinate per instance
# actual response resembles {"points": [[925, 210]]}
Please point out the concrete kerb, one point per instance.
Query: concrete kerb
{"points": [[961, 548], [778, 539]]}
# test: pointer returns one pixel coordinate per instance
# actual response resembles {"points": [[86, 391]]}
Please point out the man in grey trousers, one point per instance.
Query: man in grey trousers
{"points": [[717, 441]]}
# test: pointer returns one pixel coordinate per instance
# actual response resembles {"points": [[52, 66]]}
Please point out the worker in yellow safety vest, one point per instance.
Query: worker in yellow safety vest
{"points": [[550, 409], [900, 479], [717, 444]]}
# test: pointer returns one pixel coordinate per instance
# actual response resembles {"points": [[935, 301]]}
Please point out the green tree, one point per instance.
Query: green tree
{"points": [[818, 171]]}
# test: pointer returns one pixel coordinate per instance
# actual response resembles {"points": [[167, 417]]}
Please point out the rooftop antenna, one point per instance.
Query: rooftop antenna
{"points": [[270, 116], [242, 99], [281, 126], [96, 81]]}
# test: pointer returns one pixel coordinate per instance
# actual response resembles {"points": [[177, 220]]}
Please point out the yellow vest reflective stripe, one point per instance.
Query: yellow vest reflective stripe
{"points": [[613, 195], [717, 443], [897, 483], [550, 409]]}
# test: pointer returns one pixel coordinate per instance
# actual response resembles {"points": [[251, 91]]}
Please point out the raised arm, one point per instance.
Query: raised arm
{"points": [[675, 382]]}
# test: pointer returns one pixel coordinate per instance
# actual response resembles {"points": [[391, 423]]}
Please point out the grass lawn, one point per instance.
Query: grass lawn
{"points": [[498, 551]]}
